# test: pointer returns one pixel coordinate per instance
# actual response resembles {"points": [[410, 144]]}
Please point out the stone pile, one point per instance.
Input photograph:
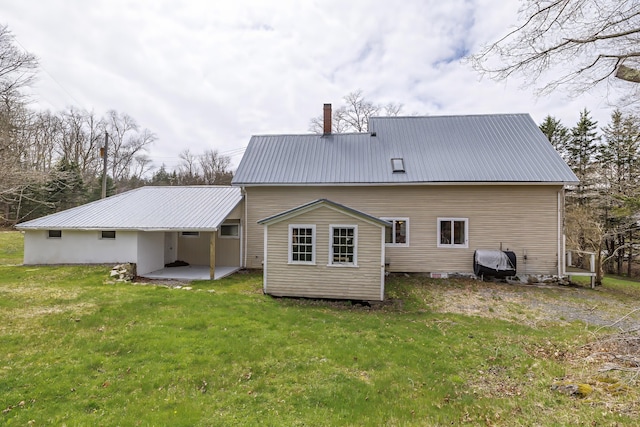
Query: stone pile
{"points": [[123, 272]]}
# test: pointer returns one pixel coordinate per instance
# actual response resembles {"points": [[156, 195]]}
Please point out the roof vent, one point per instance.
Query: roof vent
{"points": [[397, 165], [373, 134]]}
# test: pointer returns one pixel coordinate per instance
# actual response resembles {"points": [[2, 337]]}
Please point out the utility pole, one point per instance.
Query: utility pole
{"points": [[105, 150]]}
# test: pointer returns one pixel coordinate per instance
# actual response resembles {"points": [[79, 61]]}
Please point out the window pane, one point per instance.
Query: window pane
{"points": [[388, 235], [400, 232], [445, 232], [343, 248], [55, 234], [229, 230], [302, 244], [458, 232]]}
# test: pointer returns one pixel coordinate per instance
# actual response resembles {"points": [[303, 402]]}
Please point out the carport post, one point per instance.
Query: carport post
{"points": [[212, 255]]}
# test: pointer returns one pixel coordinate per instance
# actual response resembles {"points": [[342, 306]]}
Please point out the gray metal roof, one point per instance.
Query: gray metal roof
{"points": [[325, 202], [476, 148], [148, 208]]}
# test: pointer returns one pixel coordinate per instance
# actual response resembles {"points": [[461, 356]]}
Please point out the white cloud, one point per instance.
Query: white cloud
{"points": [[206, 74]]}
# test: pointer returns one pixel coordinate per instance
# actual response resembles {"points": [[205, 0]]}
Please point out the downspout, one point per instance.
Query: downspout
{"points": [[560, 235], [245, 228]]}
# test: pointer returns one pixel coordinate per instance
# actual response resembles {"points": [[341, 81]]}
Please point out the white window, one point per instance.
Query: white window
{"points": [[229, 231], [190, 234], [108, 234], [54, 234], [453, 232], [302, 244], [398, 233], [343, 245]]}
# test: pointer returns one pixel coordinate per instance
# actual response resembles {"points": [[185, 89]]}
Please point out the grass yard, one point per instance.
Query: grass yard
{"points": [[78, 351]]}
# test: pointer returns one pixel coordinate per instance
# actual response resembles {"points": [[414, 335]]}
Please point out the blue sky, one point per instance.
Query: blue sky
{"points": [[209, 74]]}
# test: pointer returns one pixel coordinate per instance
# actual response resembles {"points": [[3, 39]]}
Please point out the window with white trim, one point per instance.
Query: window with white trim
{"points": [[302, 244], [344, 245], [54, 234], [398, 233], [453, 232], [229, 231]]}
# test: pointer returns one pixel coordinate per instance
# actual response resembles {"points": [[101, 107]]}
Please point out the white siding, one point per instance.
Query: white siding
{"points": [[79, 247], [150, 251]]}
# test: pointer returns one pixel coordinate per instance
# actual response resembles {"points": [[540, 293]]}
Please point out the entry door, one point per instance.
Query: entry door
{"points": [[170, 246]]}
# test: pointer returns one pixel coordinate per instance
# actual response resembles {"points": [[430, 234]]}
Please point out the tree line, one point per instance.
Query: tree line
{"points": [[50, 161], [603, 209]]}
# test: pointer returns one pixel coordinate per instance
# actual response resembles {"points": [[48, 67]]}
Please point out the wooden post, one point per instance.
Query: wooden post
{"points": [[592, 265], [212, 255]]}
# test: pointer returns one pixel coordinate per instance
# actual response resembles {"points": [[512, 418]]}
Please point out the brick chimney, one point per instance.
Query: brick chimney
{"points": [[326, 129]]}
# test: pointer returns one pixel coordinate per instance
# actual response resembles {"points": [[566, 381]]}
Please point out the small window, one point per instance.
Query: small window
{"points": [[398, 233], [397, 165], [302, 244], [108, 235], [54, 234], [190, 234], [229, 231], [343, 245], [453, 232]]}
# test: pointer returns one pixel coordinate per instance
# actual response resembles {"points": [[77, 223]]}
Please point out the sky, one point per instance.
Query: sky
{"points": [[208, 74]]}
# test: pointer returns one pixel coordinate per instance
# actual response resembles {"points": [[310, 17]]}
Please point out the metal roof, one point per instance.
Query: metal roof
{"points": [[323, 202], [495, 148], [148, 208]]}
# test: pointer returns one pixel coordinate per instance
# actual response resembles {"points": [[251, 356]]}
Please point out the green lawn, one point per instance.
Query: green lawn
{"points": [[78, 351]]}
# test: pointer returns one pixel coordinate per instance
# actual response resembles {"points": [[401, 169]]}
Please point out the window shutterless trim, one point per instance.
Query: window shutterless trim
{"points": [[346, 245], [229, 236], [452, 222], [393, 220], [300, 251]]}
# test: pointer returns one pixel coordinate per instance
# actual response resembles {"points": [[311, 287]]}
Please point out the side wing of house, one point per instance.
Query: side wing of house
{"points": [[324, 253], [57, 246], [436, 228]]}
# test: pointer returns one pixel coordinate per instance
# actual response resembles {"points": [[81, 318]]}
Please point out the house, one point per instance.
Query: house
{"points": [[326, 215], [445, 185], [151, 227]]}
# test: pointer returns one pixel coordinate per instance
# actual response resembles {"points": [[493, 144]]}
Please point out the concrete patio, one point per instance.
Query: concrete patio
{"points": [[190, 272]]}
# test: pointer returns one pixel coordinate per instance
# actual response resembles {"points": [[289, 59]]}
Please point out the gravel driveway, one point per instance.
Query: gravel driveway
{"points": [[533, 304]]}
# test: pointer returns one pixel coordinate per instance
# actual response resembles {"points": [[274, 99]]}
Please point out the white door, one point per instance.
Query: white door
{"points": [[170, 246]]}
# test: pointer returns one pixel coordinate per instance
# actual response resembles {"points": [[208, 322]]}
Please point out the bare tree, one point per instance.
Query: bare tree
{"points": [[126, 141], [215, 168], [582, 42], [354, 115], [17, 68], [189, 170]]}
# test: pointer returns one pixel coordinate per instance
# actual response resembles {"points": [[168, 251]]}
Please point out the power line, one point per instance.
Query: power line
{"points": [[40, 66]]}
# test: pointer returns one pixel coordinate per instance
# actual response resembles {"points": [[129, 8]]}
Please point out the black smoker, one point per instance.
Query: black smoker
{"points": [[494, 263]]}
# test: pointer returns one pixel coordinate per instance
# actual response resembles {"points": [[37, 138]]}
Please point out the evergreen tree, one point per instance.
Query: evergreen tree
{"points": [[63, 189], [581, 149], [618, 160], [162, 177], [95, 189], [556, 133]]}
